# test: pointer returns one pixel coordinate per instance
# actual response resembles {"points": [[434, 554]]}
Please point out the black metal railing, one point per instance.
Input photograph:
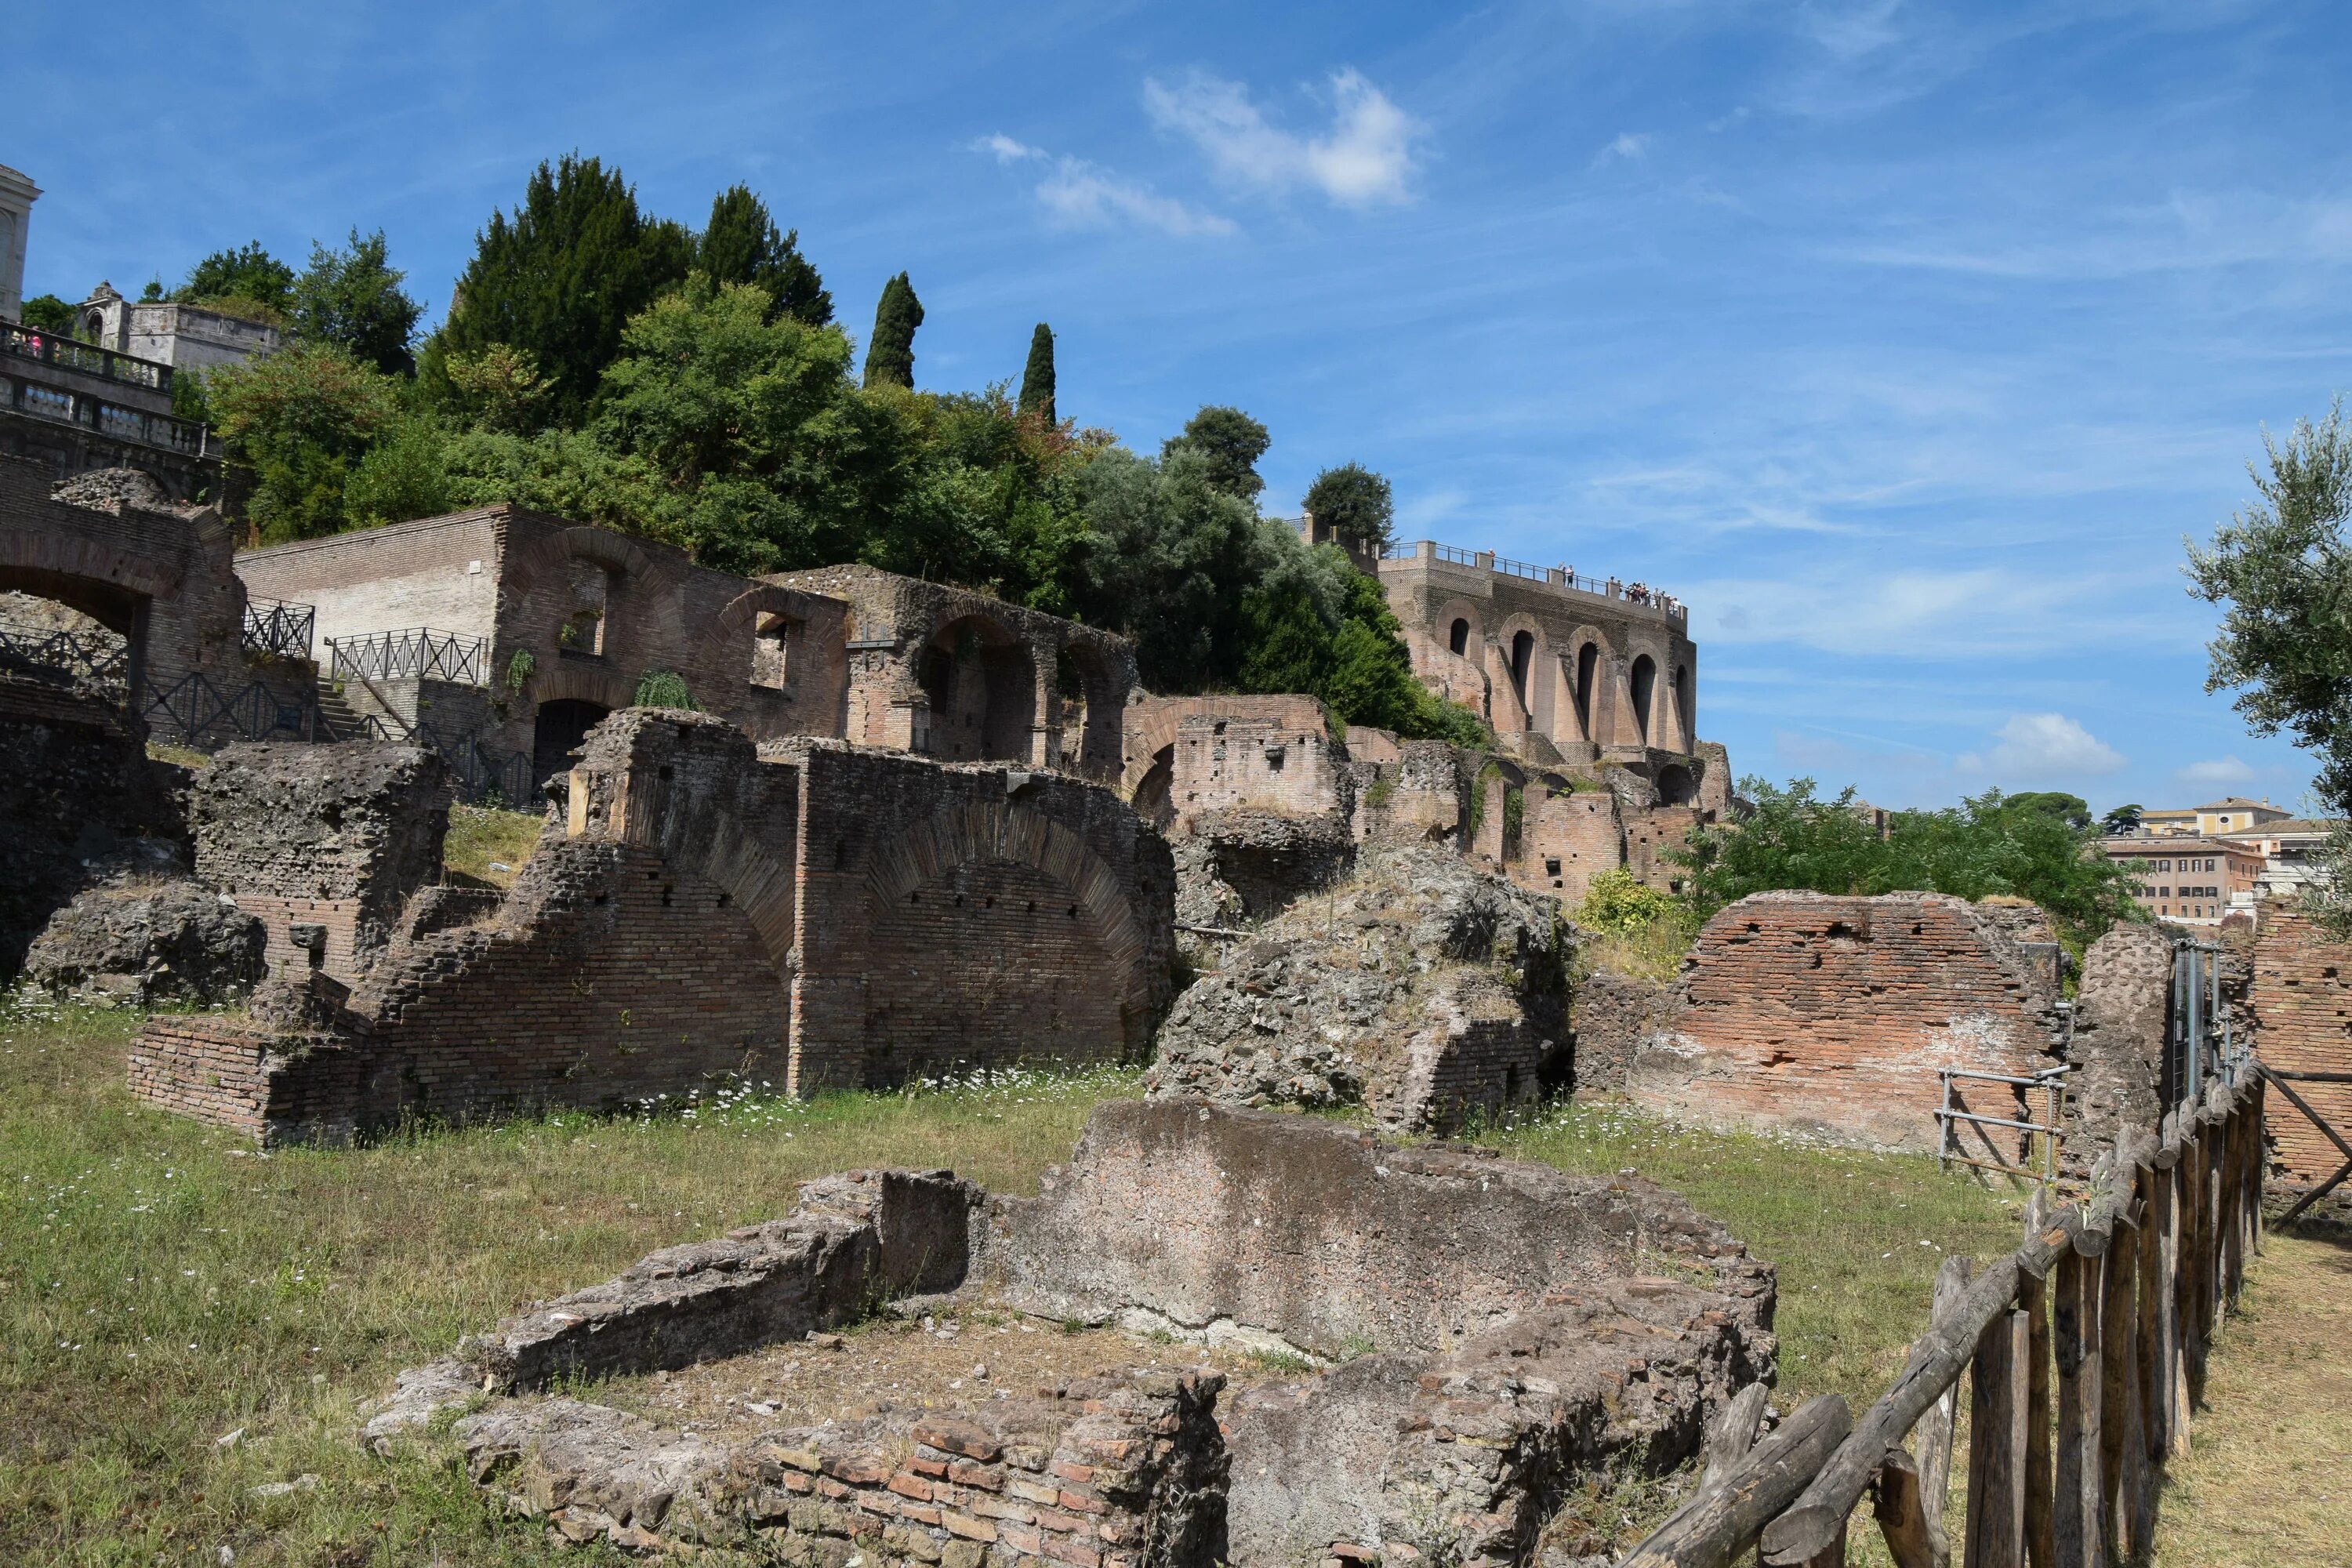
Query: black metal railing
{"points": [[69, 656], [195, 711], [71, 353], [1556, 576], [277, 629], [483, 775], [417, 653], [110, 420]]}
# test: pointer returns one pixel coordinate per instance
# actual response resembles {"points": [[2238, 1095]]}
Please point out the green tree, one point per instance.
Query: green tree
{"points": [[2122, 819], [757, 451], [2070, 809], [1169, 557], [353, 298], [1988, 845], [1230, 443], [249, 273], [49, 314], [560, 280], [743, 244], [1355, 502], [1037, 375], [498, 389], [296, 423], [891, 354], [404, 474], [2281, 567], [1312, 623]]}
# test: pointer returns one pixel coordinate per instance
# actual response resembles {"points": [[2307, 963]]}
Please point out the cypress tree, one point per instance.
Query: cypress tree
{"points": [[1037, 376], [561, 278], [741, 245], [891, 354]]}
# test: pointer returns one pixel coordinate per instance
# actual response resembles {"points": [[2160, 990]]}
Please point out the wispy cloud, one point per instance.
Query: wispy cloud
{"points": [[1079, 194], [1367, 158], [1858, 608], [2216, 773], [1627, 144], [2037, 748]]}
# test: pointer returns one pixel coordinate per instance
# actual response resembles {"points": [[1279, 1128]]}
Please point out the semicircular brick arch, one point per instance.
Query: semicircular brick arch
{"points": [[1004, 831], [53, 553], [614, 552], [563, 679]]}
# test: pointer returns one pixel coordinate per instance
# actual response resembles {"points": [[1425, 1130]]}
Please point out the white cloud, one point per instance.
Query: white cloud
{"points": [[2217, 772], [1629, 144], [1366, 158], [2033, 748], [1080, 196], [1006, 149]]}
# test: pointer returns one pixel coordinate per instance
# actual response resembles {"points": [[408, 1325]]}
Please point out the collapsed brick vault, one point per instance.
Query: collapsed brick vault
{"points": [[810, 914], [1482, 1335]]}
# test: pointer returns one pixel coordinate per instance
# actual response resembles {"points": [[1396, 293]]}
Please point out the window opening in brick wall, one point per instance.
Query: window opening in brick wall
{"points": [[772, 638]]}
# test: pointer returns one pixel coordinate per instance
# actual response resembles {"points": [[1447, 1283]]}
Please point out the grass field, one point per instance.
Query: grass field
{"points": [[162, 1285]]}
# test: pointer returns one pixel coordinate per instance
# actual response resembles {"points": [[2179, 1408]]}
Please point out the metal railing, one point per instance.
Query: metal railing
{"points": [[71, 353], [1555, 576], [416, 653], [197, 711], [482, 774], [110, 420], [72, 655], [278, 629], [1953, 1114]]}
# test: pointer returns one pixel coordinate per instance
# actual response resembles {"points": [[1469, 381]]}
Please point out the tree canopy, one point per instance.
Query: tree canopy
{"points": [[1228, 443], [1356, 503], [1037, 375], [890, 352], [560, 279], [741, 243], [353, 298], [2281, 567], [248, 274], [1989, 844], [50, 314]]}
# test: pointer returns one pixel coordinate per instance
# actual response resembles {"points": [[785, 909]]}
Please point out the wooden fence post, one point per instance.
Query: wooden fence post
{"points": [[1935, 1428], [2075, 1535], [2189, 1287], [2164, 1228], [2034, 1295], [1996, 1443], [2147, 1387], [2119, 1433]]}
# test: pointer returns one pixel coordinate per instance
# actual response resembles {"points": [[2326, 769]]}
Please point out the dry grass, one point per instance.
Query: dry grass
{"points": [[487, 846], [2268, 1481]]}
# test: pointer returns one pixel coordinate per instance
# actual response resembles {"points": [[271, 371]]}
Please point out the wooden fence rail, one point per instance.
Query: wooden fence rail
{"points": [[2084, 1352]]}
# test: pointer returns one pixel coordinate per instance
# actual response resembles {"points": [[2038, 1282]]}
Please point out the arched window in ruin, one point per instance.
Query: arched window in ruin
{"points": [[1087, 712], [1154, 800], [1588, 667], [1645, 680], [1458, 638], [1675, 786], [1523, 658], [772, 635], [982, 692]]}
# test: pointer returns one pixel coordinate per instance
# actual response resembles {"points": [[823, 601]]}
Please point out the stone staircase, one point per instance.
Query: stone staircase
{"points": [[338, 720]]}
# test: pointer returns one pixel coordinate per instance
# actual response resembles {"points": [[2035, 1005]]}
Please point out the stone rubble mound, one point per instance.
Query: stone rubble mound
{"points": [[146, 940], [1421, 988]]}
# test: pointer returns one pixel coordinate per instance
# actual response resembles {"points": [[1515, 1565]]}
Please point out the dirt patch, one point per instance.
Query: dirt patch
{"points": [[2268, 1480], [895, 1365]]}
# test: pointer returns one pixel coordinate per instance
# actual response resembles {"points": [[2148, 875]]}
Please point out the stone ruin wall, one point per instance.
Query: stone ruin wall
{"points": [[328, 843], [2300, 998], [823, 917], [1830, 1016], [1479, 1336]]}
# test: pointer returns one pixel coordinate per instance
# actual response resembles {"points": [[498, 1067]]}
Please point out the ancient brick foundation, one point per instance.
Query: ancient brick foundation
{"points": [[824, 916], [2301, 999], [1830, 1016], [335, 838], [1511, 1332]]}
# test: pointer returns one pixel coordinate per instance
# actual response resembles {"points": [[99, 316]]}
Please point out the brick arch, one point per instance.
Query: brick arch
{"points": [[614, 552], [1461, 609], [1571, 656], [1006, 831], [562, 679], [56, 555]]}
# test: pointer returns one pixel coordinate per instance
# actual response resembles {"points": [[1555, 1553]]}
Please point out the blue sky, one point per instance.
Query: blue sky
{"points": [[1905, 341]]}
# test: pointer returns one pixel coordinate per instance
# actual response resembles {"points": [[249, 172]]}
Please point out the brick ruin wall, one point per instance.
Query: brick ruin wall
{"points": [[2301, 997], [971, 916], [823, 917], [335, 838], [1830, 1016], [1511, 1332]]}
